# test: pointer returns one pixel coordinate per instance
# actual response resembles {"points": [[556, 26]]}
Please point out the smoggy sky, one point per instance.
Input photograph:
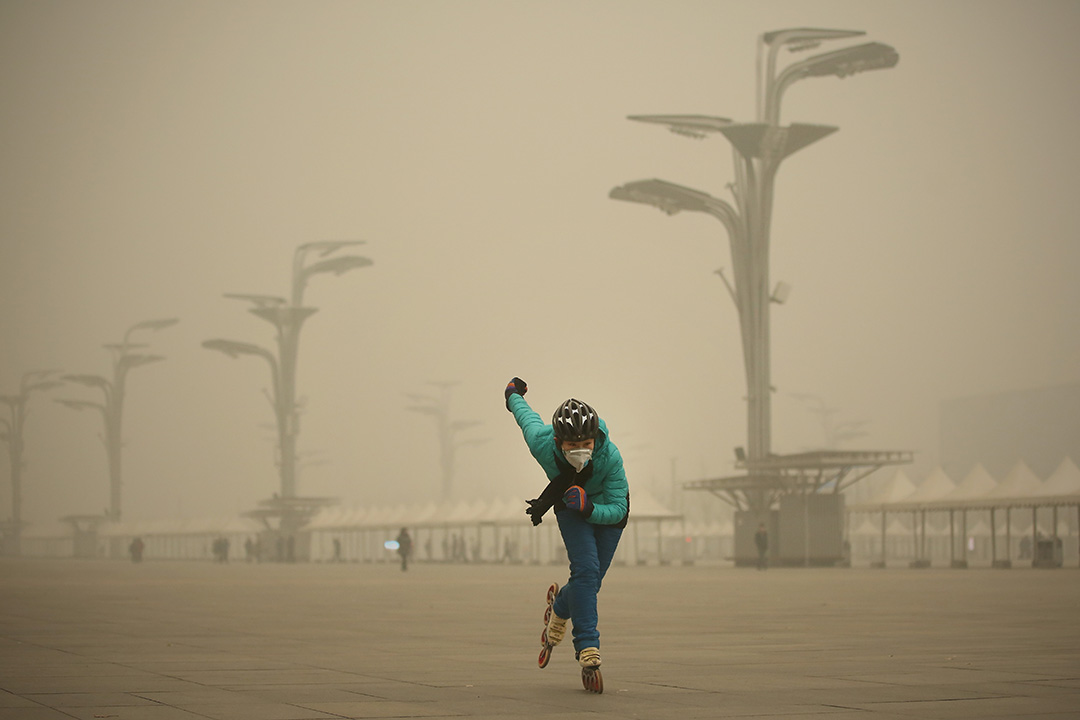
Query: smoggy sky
{"points": [[154, 156]]}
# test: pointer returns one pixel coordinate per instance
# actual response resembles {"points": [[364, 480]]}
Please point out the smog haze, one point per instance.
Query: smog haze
{"points": [[157, 156]]}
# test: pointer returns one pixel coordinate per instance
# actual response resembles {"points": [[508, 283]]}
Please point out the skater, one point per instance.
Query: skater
{"points": [[588, 490]]}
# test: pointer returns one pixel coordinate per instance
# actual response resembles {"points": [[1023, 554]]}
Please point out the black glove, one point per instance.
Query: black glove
{"points": [[536, 511], [516, 386]]}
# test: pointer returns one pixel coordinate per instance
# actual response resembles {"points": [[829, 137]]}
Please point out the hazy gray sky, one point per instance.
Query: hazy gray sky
{"points": [[154, 156]]}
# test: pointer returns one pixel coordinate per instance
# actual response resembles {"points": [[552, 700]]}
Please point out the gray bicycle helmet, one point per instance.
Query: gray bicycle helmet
{"points": [[575, 421]]}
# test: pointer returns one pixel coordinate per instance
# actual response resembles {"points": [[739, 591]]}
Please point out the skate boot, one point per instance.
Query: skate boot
{"points": [[591, 679], [554, 627]]}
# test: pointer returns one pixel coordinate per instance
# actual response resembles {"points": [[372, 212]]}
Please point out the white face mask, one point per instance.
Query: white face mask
{"points": [[578, 458]]}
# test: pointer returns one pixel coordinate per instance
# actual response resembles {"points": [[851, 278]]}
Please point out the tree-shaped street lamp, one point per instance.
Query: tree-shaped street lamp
{"points": [[287, 317], [759, 148], [11, 433], [438, 408], [834, 434], [111, 406]]}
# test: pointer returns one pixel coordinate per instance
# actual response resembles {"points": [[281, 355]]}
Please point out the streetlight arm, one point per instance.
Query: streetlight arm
{"points": [[154, 325], [796, 40], [235, 349], [326, 247], [693, 126], [47, 385], [841, 63], [82, 405], [337, 265], [37, 379], [92, 381], [672, 198], [127, 362], [259, 300]]}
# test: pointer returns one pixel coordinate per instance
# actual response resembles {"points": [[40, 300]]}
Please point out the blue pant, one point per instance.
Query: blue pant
{"points": [[590, 549]]}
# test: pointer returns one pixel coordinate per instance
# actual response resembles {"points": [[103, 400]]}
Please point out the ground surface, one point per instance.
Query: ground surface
{"points": [[185, 640]]}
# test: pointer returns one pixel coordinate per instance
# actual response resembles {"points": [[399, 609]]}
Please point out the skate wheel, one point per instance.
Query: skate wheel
{"points": [[547, 615], [551, 593], [545, 656], [544, 637], [592, 680]]}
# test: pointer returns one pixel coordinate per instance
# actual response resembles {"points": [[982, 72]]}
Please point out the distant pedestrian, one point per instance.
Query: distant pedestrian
{"points": [[404, 549], [761, 540], [136, 549], [337, 551], [220, 549]]}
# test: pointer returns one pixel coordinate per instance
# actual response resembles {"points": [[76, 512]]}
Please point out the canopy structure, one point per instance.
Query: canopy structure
{"points": [[471, 530], [896, 488], [979, 491], [819, 471], [1062, 487], [936, 486], [976, 484], [498, 511], [1019, 483]]}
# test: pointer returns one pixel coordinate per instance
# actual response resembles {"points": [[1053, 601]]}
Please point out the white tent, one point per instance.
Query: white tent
{"points": [[867, 528], [1020, 482], [935, 486], [975, 484], [1064, 482], [896, 488]]}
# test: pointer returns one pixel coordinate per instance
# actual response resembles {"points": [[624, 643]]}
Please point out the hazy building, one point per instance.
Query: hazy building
{"points": [[1039, 426]]}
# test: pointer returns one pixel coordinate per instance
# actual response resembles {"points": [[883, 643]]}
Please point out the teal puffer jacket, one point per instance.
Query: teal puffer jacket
{"points": [[607, 488]]}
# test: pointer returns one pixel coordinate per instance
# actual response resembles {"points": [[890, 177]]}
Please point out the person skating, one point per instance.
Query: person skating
{"points": [[588, 490]]}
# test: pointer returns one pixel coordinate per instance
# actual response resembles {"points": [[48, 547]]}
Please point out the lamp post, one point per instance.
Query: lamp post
{"points": [[287, 317], [759, 148], [11, 432], [439, 410], [112, 405]]}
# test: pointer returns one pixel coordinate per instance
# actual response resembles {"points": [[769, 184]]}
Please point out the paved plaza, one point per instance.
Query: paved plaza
{"points": [[185, 640]]}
